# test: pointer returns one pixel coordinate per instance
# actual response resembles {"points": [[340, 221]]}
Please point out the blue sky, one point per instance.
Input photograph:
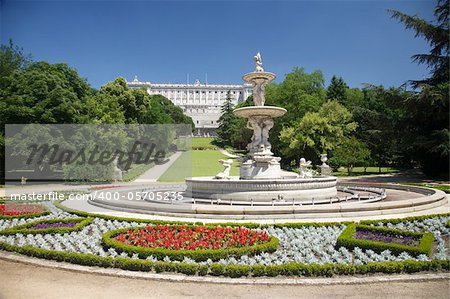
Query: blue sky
{"points": [[163, 41]]}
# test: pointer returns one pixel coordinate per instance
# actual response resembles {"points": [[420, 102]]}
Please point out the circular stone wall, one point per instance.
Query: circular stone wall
{"points": [[264, 190]]}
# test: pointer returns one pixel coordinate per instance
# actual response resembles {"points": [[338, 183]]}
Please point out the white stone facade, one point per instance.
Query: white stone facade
{"points": [[200, 101]]}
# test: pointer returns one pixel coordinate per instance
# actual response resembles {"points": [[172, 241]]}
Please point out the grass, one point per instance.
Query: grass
{"points": [[442, 187], [197, 163], [202, 143], [136, 170], [358, 171]]}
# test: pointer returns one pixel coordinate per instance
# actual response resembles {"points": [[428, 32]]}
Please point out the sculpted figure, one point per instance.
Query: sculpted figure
{"points": [[305, 172], [225, 174], [258, 95], [258, 63], [257, 134], [117, 172], [267, 125]]}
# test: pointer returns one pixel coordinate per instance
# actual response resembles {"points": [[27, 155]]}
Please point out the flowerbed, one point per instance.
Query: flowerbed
{"points": [[303, 249], [192, 238], [21, 210], [379, 239], [49, 226], [386, 238], [197, 242]]}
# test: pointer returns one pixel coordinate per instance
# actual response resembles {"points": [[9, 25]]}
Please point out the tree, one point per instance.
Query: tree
{"points": [[299, 93], [436, 34], [12, 59], [349, 153], [337, 90], [228, 123], [44, 93], [427, 111], [317, 132]]}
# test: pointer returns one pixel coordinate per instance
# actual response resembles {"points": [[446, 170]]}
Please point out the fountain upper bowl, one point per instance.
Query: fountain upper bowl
{"points": [[259, 111]]}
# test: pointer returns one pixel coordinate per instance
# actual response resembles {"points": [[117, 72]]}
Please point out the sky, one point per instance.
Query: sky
{"points": [[163, 41]]}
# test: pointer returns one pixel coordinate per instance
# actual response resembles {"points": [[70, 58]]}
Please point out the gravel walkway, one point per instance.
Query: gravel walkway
{"points": [[29, 281]]}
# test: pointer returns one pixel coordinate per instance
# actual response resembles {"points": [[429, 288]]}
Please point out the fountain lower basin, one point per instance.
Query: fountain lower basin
{"points": [[262, 190]]}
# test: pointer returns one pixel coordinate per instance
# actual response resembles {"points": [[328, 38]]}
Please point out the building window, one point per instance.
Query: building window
{"points": [[197, 121]]}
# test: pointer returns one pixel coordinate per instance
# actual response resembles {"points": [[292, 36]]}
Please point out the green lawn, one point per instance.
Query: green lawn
{"points": [[197, 163], [442, 187], [202, 143], [357, 171]]}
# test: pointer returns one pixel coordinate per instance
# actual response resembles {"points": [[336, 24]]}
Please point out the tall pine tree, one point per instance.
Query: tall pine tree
{"points": [[337, 90], [426, 125], [227, 123]]}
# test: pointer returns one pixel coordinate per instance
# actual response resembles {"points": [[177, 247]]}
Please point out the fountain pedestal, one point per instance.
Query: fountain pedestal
{"points": [[260, 163]]}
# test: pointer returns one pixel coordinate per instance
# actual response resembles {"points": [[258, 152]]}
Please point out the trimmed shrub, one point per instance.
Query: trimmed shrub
{"points": [[187, 268], [237, 270], [217, 269]]}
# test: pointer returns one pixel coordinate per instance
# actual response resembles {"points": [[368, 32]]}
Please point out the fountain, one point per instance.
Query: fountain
{"points": [[261, 178], [265, 191]]}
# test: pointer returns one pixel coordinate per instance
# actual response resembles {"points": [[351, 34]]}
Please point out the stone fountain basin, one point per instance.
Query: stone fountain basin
{"points": [[262, 190], [271, 111]]}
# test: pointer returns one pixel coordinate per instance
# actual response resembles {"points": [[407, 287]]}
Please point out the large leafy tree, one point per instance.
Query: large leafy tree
{"points": [[427, 121], [299, 93], [317, 132], [44, 93], [350, 153], [12, 59]]}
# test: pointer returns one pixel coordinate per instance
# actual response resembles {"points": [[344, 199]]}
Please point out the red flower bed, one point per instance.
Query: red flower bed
{"points": [[20, 209], [180, 237]]}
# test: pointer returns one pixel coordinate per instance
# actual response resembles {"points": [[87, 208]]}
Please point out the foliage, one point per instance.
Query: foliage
{"points": [[318, 132], [202, 143], [227, 123], [12, 59], [427, 119], [337, 90], [350, 153], [436, 34], [293, 269]]}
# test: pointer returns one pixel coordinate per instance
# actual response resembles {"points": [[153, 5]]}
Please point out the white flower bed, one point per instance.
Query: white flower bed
{"points": [[305, 245]]}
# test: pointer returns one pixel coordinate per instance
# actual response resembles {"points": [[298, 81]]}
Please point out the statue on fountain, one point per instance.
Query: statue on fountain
{"points": [[258, 62], [305, 171], [225, 174]]}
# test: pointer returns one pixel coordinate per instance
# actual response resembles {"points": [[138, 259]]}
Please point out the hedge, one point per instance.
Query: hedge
{"points": [[346, 239], [399, 220], [27, 228], [197, 255], [291, 269]]}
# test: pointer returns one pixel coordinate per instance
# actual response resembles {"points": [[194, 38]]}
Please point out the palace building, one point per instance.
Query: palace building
{"points": [[200, 101]]}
